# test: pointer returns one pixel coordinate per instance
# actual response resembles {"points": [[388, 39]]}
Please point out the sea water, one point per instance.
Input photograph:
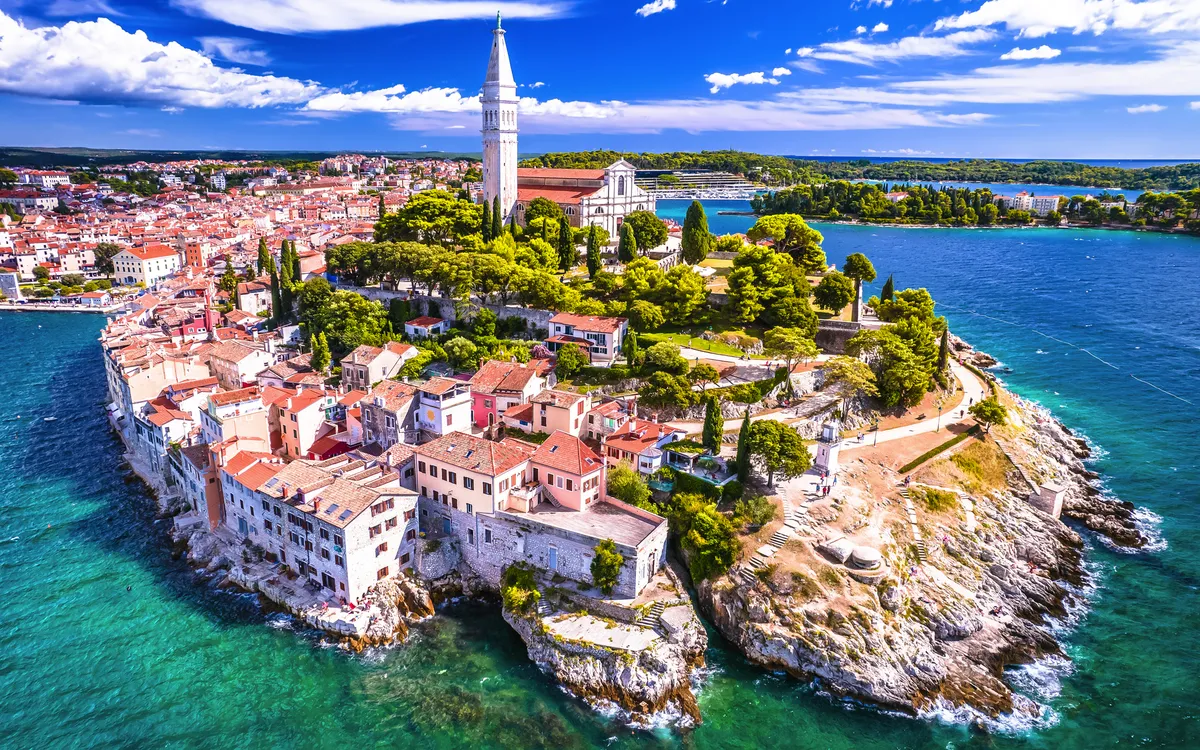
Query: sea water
{"points": [[107, 641]]}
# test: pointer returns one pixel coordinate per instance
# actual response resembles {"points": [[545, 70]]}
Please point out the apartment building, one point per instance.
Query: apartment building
{"points": [[550, 411], [498, 386], [367, 365], [147, 265], [640, 443], [600, 337], [389, 414], [443, 406]]}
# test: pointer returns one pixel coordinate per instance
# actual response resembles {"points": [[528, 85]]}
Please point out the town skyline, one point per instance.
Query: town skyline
{"points": [[995, 79]]}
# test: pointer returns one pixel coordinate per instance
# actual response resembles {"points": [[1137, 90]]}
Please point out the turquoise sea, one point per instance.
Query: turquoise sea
{"points": [[107, 641]]}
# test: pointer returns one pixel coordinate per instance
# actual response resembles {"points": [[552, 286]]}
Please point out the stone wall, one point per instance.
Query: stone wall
{"points": [[534, 319], [832, 335], [435, 564]]}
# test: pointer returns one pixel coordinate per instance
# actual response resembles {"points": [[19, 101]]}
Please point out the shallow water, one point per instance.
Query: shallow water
{"points": [[84, 662]]}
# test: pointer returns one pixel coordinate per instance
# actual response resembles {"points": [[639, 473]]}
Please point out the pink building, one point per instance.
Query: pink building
{"points": [[499, 385]]}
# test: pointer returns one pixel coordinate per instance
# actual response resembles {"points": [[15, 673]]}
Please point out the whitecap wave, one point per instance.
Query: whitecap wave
{"points": [[1027, 715], [281, 621], [1041, 680]]}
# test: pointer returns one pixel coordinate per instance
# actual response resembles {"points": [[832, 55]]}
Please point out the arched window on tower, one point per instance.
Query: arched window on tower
{"points": [[620, 186], [570, 210]]}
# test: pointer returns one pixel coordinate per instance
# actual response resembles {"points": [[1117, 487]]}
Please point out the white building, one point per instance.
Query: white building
{"points": [[44, 178], [148, 264], [500, 127], [217, 181]]}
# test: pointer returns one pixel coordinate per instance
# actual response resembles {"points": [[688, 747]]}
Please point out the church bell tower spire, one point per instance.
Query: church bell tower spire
{"points": [[500, 127]]}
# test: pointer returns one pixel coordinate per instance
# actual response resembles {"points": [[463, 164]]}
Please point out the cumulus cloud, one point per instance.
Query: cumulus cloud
{"points": [[234, 49], [866, 52], [537, 84], [98, 61], [884, 3], [1044, 52], [860, 30], [655, 6], [1038, 18], [879, 28], [725, 80], [300, 16], [777, 72], [1145, 109], [1194, 105]]}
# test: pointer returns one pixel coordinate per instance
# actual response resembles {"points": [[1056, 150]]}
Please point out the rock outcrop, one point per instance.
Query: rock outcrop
{"points": [[650, 685]]}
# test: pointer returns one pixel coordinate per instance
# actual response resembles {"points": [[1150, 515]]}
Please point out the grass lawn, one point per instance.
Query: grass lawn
{"points": [[690, 341], [716, 263]]}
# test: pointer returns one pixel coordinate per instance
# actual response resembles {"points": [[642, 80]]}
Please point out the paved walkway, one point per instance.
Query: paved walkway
{"points": [[973, 392], [601, 632]]}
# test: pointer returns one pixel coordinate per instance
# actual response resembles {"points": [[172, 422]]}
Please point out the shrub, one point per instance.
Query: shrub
{"points": [[707, 537], [606, 566], [755, 510], [732, 492], [936, 500], [518, 590]]}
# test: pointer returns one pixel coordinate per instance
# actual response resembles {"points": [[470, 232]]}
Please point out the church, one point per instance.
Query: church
{"points": [[588, 196]]}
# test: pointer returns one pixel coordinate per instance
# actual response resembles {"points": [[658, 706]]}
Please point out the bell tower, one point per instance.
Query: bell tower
{"points": [[500, 128]]}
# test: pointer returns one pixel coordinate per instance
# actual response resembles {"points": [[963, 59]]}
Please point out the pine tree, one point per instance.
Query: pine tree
{"points": [[889, 291], [630, 349], [498, 218], [944, 352], [264, 254], [593, 253], [487, 222], [566, 246], [714, 424], [696, 238], [320, 352], [627, 245], [743, 449]]}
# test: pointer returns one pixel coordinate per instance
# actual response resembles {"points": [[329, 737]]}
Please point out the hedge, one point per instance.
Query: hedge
{"points": [[980, 374], [934, 451]]}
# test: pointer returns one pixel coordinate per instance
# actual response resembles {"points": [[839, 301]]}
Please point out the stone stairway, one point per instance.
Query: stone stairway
{"points": [[652, 619], [918, 541], [793, 526], [543, 608]]}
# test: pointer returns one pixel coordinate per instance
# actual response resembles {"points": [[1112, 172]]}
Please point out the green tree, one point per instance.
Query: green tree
{"points": [[628, 486], [41, 273], [104, 253], [853, 376], [567, 255], [944, 352], [399, 311], [228, 282], [834, 292], [779, 450], [743, 448], [644, 316], [743, 295], [8, 178], [663, 389], [484, 324], [264, 254], [486, 224], [702, 374], [382, 207], [900, 375], [792, 235], [729, 243], [320, 352], [696, 238], [627, 246], [286, 269], [435, 217], [606, 566], [756, 511], [989, 412], [790, 345], [593, 252], [665, 357], [570, 360], [497, 217], [714, 424], [649, 231], [859, 268], [541, 207], [889, 290], [630, 349], [276, 295], [708, 538], [681, 294], [461, 352]]}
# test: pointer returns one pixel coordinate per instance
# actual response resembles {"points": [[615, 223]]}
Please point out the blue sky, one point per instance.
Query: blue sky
{"points": [[1001, 78]]}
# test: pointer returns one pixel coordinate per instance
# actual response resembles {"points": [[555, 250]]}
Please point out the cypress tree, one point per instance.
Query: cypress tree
{"points": [[630, 349], [544, 234], [487, 222], [696, 237], [285, 277], [297, 274], [889, 291], [498, 218], [320, 352], [512, 224], [743, 449], [276, 297], [264, 254], [593, 253], [714, 424], [627, 245], [567, 256], [382, 208], [944, 351]]}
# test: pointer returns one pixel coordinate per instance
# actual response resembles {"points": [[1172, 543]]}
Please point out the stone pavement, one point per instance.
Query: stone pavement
{"points": [[601, 632]]}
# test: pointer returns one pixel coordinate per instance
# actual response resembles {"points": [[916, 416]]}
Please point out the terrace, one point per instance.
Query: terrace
{"points": [[691, 458]]}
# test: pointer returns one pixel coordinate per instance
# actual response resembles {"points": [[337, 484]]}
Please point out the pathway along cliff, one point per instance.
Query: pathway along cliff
{"points": [[917, 598]]}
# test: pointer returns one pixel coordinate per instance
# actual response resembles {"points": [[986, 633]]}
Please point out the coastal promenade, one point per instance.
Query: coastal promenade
{"points": [[51, 307]]}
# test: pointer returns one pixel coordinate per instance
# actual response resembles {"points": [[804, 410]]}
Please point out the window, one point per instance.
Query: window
{"points": [[410, 515], [338, 561], [374, 531], [620, 186], [487, 488], [266, 506], [324, 553], [337, 539], [449, 419], [381, 548], [390, 523], [470, 536], [411, 535], [591, 420], [421, 466], [308, 545], [325, 535], [433, 471], [468, 483], [487, 536], [453, 478], [503, 485], [383, 573], [570, 485], [470, 508], [558, 481]]}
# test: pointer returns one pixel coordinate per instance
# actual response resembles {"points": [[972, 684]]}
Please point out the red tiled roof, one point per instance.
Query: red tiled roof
{"points": [[554, 193], [566, 452], [424, 321], [476, 454], [561, 174], [589, 322]]}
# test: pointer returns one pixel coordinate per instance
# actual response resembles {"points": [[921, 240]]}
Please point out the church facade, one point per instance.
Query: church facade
{"points": [[587, 196]]}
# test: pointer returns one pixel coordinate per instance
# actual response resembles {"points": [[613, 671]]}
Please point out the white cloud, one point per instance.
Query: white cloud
{"points": [[98, 61], [884, 3], [805, 52], [655, 6], [298, 16], [1194, 105], [234, 49], [537, 84], [868, 53], [1174, 72], [898, 151], [725, 80], [777, 72], [879, 28], [1145, 109], [860, 30], [1038, 18], [172, 110], [1045, 52], [60, 8]]}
